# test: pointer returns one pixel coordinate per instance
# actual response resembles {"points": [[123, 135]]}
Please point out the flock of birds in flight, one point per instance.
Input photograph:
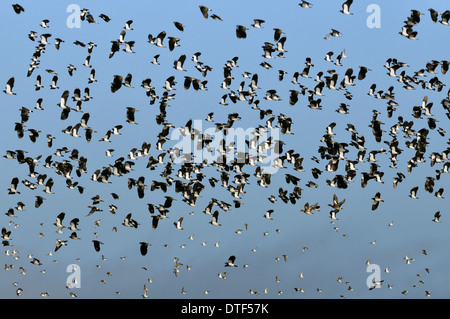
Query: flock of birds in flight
{"points": [[234, 176]]}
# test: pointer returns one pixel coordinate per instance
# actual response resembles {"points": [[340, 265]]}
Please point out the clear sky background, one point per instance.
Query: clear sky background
{"points": [[330, 254]]}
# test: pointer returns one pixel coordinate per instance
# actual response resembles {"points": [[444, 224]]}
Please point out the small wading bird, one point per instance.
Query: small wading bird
{"points": [[230, 262]]}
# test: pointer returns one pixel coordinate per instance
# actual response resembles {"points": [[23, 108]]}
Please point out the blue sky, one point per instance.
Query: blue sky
{"points": [[330, 254]]}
